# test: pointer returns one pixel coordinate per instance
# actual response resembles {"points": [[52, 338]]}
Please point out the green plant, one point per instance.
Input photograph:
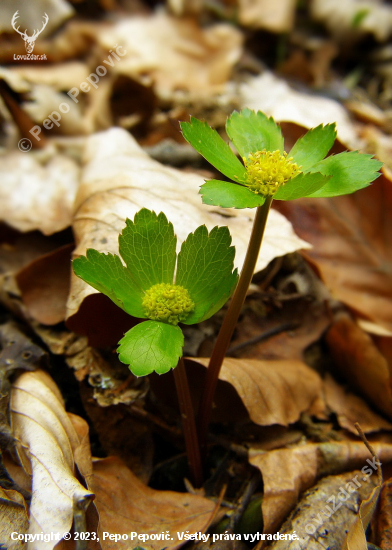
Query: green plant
{"points": [[157, 285], [266, 173]]}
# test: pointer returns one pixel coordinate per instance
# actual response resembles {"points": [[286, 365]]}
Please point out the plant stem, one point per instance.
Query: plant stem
{"points": [[188, 423], [230, 320]]}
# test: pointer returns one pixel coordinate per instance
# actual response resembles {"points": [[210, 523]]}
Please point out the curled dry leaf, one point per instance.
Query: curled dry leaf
{"points": [[127, 506], [351, 237], [174, 53], [119, 179], [361, 362], [275, 16], [350, 408], [273, 392], [48, 446], [13, 517], [37, 194], [383, 523], [273, 96], [320, 514], [288, 472]]}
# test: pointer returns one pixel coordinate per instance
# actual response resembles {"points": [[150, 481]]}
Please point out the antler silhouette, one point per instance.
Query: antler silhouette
{"points": [[29, 40], [15, 17], [36, 33]]}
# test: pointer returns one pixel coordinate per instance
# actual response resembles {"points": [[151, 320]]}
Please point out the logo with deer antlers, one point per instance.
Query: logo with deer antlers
{"points": [[29, 40]]}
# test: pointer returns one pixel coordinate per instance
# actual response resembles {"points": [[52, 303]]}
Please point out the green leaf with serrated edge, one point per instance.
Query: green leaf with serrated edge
{"points": [[313, 146], [350, 172], [148, 247], [204, 268], [106, 273], [302, 185], [211, 146], [251, 132], [151, 346], [229, 195], [225, 291]]}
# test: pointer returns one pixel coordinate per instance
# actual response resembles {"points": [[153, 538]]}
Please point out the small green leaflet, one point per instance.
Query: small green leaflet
{"points": [[148, 247], [212, 147], [350, 171], [106, 273], [205, 268], [229, 195], [251, 132], [302, 185], [151, 346], [313, 146]]}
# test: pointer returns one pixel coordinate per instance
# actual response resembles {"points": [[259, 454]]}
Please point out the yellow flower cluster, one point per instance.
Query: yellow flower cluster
{"points": [[167, 303], [268, 171]]}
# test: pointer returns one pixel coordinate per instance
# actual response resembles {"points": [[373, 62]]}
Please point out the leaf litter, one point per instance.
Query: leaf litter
{"points": [[303, 417]]}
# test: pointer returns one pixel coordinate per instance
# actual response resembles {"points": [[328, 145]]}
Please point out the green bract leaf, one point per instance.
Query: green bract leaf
{"points": [[251, 132], [151, 346], [106, 273], [212, 147], [302, 185], [148, 247], [350, 172], [229, 195], [313, 146], [205, 265]]}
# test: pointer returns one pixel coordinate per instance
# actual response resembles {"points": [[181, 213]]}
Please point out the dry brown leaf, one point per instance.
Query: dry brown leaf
{"points": [[273, 96], [383, 523], [174, 54], [362, 364], [48, 446], [277, 16], [325, 512], [356, 536], [44, 285], [339, 17], [350, 408], [351, 237], [37, 192], [126, 506], [273, 392], [119, 179], [13, 518], [288, 472]]}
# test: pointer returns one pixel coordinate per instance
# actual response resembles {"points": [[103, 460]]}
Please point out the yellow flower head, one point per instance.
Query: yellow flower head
{"points": [[167, 303], [267, 171]]}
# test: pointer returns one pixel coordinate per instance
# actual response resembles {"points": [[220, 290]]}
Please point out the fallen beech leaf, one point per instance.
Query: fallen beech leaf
{"points": [[356, 537], [119, 179], [350, 408], [351, 236], [273, 96], [321, 519], [126, 506], [44, 285], [361, 362], [174, 53], [288, 472], [37, 196], [13, 517], [47, 447], [262, 14], [273, 392]]}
